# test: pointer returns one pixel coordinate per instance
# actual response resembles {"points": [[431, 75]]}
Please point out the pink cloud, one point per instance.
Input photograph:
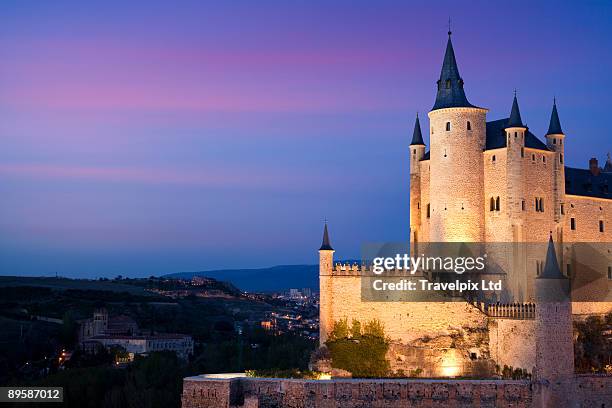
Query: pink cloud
{"points": [[107, 75], [247, 178]]}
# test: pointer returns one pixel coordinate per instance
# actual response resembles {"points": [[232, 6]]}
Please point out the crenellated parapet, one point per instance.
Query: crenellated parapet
{"points": [[508, 310]]}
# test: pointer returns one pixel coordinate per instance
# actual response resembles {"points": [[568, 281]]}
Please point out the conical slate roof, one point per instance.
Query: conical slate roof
{"points": [[417, 136], [326, 245], [450, 85], [515, 115], [551, 267], [554, 127]]}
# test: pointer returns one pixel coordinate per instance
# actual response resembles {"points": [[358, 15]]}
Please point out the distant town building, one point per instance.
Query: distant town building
{"points": [[122, 331]]}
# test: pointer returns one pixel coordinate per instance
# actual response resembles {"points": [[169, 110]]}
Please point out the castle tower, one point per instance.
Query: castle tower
{"points": [[515, 142], [458, 131], [554, 333], [326, 261], [555, 142], [417, 151]]}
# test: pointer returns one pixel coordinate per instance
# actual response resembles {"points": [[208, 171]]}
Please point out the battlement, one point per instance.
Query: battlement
{"points": [[507, 310]]}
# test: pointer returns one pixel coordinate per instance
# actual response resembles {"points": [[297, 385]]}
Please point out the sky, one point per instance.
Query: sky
{"points": [[156, 137]]}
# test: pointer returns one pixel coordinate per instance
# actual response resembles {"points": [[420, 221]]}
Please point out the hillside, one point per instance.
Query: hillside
{"points": [[276, 278]]}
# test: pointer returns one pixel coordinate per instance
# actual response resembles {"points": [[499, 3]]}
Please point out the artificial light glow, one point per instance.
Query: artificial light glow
{"points": [[451, 365]]}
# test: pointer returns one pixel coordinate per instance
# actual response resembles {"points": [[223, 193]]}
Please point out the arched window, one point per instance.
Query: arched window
{"points": [[413, 151], [515, 135], [447, 126], [448, 83], [554, 141], [497, 206], [493, 158], [469, 125], [492, 204]]}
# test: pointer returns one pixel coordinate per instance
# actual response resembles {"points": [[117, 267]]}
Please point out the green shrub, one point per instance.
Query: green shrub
{"points": [[360, 349]]}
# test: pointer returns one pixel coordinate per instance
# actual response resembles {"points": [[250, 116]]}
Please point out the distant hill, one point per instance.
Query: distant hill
{"points": [[276, 278], [66, 283]]}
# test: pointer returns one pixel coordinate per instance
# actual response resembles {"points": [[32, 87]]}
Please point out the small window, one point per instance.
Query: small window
{"points": [[539, 204], [414, 151], [523, 205], [573, 224], [419, 205], [533, 157], [492, 204], [610, 272], [493, 158], [561, 158], [543, 159], [562, 209], [522, 152], [497, 206], [428, 211], [448, 84], [554, 141], [601, 226], [560, 141], [515, 135], [469, 125], [447, 126]]}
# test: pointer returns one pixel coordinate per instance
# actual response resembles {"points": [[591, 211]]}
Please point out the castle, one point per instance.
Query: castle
{"points": [[489, 182], [479, 182]]}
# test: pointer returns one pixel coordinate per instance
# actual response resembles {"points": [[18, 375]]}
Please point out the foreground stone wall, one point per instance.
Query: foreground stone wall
{"points": [[243, 392], [281, 393]]}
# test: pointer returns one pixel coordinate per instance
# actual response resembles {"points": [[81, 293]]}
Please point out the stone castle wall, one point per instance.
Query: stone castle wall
{"points": [[202, 392], [512, 342]]}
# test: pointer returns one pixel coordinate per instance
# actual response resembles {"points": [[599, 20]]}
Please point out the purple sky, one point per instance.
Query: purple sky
{"points": [[150, 139]]}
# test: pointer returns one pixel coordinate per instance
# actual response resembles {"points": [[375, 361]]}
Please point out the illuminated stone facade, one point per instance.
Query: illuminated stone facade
{"points": [[490, 182]]}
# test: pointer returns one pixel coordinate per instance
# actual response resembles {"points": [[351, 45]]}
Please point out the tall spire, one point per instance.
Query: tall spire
{"points": [[417, 136], [554, 128], [515, 114], [551, 267], [450, 85], [326, 245], [608, 166]]}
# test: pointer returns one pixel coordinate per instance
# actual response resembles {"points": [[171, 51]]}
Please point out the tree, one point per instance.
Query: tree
{"points": [[360, 349]]}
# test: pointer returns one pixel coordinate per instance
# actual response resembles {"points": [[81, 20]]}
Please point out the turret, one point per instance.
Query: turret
{"points": [[554, 332], [417, 151], [457, 138], [326, 261], [555, 142], [417, 147], [515, 144], [515, 129]]}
